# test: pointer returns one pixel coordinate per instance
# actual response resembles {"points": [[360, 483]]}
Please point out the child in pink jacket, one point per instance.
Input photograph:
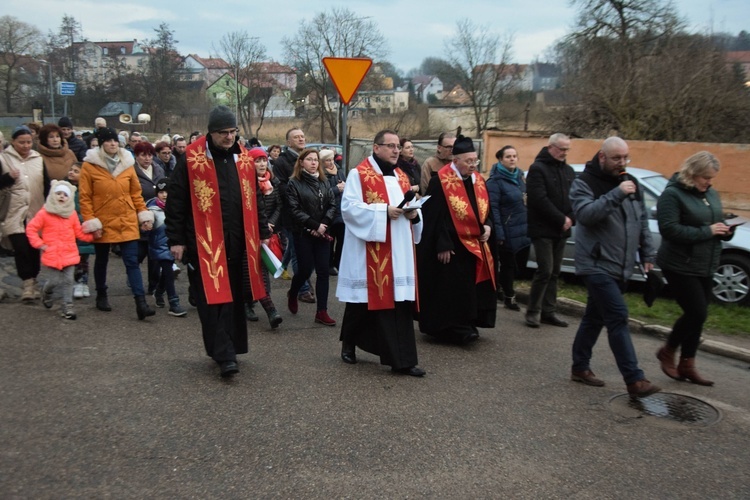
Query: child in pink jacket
{"points": [[54, 230]]}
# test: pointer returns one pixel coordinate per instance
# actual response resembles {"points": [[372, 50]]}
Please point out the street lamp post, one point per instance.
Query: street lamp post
{"points": [[51, 88]]}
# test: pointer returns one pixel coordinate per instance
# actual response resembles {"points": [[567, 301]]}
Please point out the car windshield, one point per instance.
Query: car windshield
{"points": [[656, 182]]}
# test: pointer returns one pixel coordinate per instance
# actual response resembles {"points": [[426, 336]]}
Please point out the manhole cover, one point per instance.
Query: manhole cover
{"points": [[674, 407]]}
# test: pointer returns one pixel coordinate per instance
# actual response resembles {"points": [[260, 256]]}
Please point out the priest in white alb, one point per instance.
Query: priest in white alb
{"points": [[377, 278]]}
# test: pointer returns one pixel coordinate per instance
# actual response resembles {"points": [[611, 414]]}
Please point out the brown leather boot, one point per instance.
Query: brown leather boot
{"points": [[666, 356], [686, 370]]}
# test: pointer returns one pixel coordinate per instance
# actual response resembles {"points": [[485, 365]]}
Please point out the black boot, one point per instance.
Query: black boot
{"points": [[101, 301], [142, 308], [274, 318]]}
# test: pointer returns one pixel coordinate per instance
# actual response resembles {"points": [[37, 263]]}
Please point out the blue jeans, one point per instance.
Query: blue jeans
{"points": [[129, 250], [606, 307]]}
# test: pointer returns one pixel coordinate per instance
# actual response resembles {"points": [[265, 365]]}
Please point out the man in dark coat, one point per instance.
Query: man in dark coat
{"points": [[74, 143], [214, 209], [456, 271], [550, 218], [283, 168]]}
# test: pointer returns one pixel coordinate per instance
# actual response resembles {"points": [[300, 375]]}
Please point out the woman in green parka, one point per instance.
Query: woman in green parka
{"points": [[692, 227]]}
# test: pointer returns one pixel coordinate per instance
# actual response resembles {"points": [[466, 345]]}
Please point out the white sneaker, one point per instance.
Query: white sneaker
{"points": [[85, 289], [78, 291], [176, 269]]}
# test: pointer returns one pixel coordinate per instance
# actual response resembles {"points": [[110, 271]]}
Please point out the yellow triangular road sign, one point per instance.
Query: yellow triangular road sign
{"points": [[347, 74]]}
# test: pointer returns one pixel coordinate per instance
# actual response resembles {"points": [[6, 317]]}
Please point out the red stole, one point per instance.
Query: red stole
{"points": [[209, 227], [380, 289], [465, 221]]}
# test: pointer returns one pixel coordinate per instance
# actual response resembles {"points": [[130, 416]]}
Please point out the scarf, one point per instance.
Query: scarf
{"points": [[265, 183], [57, 161], [110, 161], [513, 176], [148, 171]]}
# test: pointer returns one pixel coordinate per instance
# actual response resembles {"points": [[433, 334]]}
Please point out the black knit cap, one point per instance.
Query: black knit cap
{"points": [[65, 122], [161, 186], [463, 145], [221, 117], [106, 134]]}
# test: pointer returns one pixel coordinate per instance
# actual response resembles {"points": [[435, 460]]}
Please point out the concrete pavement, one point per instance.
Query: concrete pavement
{"points": [[109, 406]]}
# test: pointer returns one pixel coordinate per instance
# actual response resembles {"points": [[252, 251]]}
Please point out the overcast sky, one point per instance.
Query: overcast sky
{"points": [[415, 29]]}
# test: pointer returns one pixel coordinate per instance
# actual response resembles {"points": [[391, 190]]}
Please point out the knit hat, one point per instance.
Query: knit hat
{"points": [[463, 145], [106, 134], [65, 122], [65, 209], [221, 117], [161, 186], [324, 154], [256, 153], [20, 130], [61, 188]]}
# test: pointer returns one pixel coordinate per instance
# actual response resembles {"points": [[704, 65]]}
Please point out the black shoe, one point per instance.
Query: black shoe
{"points": [[532, 320], [159, 298], [348, 356], [102, 302], [250, 313], [412, 371], [228, 368], [554, 320], [333, 272], [141, 308], [510, 303], [274, 318]]}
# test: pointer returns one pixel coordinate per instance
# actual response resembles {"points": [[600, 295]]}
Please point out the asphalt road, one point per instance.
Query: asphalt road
{"points": [[111, 407]]}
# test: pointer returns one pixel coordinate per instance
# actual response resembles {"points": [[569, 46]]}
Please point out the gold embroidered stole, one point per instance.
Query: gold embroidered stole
{"points": [[465, 220], [380, 286], [209, 227]]}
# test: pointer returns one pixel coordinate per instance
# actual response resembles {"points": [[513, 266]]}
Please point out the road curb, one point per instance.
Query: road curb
{"points": [[576, 308]]}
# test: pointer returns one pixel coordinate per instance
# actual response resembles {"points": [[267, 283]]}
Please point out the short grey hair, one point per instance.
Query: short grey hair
{"points": [[613, 142], [700, 163], [555, 138]]}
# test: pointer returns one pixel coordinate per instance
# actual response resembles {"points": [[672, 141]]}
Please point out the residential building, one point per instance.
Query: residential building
{"points": [[424, 85]]}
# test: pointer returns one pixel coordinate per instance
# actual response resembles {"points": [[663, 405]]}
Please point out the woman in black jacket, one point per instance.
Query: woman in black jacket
{"points": [[270, 205], [337, 180], [312, 206]]}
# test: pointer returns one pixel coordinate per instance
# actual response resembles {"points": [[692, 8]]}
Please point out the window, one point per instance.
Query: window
{"points": [[122, 50], [105, 50]]}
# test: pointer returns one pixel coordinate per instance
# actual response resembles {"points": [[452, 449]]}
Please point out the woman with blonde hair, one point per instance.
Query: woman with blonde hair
{"points": [[312, 206], [692, 227]]}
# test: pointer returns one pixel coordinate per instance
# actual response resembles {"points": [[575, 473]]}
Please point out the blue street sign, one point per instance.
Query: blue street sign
{"points": [[66, 88]]}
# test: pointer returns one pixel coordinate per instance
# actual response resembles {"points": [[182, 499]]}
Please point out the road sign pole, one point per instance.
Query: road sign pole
{"points": [[345, 156]]}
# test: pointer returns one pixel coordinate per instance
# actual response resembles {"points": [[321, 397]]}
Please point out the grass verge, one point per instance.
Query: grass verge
{"points": [[722, 319]]}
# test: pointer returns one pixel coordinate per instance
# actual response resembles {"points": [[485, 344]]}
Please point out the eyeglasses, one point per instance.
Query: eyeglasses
{"points": [[619, 159], [227, 133], [448, 147], [394, 147], [471, 163]]}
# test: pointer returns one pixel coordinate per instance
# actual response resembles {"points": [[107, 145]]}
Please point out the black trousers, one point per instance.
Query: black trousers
{"points": [[510, 266], [224, 326], [692, 293], [26, 256]]}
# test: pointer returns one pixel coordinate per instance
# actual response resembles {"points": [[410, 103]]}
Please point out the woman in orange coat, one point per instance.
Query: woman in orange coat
{"points": [[110, 192]]}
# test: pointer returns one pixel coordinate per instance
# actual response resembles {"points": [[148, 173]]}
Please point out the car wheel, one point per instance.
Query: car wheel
{"points": [[732, 280]]}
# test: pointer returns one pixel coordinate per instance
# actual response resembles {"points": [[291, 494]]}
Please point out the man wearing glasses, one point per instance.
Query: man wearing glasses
{"points": [[377, 277], [212, 219], [550, 217], [456, 268], [443, 157]]}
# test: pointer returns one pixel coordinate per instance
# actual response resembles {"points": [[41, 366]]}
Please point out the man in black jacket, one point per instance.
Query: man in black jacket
{"points": [[550, 217], [74, 143], [283, 168], [209, 221]]}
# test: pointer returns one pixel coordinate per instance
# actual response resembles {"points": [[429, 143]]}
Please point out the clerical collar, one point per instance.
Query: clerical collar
{"points": [[385, 167]]}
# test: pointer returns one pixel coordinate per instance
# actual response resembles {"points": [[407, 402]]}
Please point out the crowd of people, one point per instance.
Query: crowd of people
{"points": [[213, 202]]}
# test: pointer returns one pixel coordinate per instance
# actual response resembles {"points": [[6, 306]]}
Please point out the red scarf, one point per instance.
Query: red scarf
{"points": [[465, 221], [380, 292], [265, 183], [209, 227]]}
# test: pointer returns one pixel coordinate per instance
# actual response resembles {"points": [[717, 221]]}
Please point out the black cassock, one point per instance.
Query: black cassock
{"points": [[452, 305]]}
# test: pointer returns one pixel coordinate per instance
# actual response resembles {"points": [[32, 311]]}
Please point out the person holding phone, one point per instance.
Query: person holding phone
{"points": [[692, 227]]}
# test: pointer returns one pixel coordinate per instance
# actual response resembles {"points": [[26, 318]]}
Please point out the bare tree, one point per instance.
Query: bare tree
{"points": [[632, 68], [19, 42], [481, 60], [244, 54], [158, 80], [338, 32]]}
